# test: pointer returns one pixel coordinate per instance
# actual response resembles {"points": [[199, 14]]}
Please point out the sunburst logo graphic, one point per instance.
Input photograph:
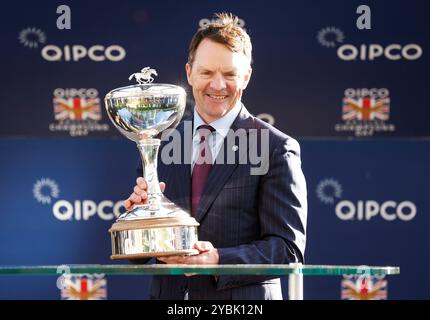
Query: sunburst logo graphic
{"points": [[45, 189], [330, 36], [31, 37], [267, 117], [328, 190]]}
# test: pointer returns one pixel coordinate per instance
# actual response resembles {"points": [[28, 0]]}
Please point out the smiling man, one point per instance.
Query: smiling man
{"points": [[217, 76], [244, 218]]}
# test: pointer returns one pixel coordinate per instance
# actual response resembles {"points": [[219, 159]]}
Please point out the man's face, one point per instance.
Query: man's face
{"points": [[218, 77]]}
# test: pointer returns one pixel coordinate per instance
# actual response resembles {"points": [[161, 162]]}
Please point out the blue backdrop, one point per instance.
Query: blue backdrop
{"points": [[354, 98]]}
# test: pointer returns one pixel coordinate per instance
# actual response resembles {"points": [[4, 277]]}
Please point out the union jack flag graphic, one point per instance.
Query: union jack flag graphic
{"points": [[77, 108], [364, 288], [83, 287], [366, 109]]}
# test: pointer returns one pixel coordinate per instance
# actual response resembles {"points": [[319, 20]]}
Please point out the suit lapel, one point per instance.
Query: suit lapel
{"points": [[184, 168], [222, 170]]}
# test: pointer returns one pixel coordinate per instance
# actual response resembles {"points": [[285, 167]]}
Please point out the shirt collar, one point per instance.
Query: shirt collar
{"points": [[221, 125]]}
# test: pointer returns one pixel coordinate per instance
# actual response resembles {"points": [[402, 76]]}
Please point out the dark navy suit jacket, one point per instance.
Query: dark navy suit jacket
{"points": [[250, 219]]}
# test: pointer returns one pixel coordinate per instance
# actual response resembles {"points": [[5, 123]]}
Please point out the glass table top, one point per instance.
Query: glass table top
{"points": [[172, 269]]}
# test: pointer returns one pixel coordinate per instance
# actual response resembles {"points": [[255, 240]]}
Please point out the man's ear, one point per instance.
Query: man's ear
{"points": [[188, 71], [246, 79]]}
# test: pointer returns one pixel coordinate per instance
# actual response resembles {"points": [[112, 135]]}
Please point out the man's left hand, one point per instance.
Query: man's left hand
{"points": [[207, 255]]}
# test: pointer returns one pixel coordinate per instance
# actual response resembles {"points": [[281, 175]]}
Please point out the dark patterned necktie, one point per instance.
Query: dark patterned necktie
{"points": [[202, 167]]}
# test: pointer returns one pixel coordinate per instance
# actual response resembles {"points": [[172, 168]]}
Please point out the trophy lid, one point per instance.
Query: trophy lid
{"points": [[145, 109], [149, 90], [145, 87]]}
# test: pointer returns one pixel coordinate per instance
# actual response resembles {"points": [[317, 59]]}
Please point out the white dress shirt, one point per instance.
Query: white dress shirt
{"points": [[216, 138]]}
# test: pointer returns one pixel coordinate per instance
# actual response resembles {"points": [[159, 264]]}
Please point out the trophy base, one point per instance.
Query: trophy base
{"points": [[161, 208], [154, 255], [154, 237]]}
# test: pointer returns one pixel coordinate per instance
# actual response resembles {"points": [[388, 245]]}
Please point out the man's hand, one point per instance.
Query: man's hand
{"points": [[207, 255], [139, 195]]}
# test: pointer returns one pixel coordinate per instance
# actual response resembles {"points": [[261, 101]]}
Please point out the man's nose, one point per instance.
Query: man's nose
{"points": [[218, 82]]}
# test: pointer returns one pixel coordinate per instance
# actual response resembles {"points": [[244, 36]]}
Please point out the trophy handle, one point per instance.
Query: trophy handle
{"points": [[148, 149]]}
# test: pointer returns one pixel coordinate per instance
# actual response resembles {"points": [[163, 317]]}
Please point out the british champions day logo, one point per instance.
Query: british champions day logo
{"points": [[81, 286], [77, 111], [365, 112], [330, 192], [364, 287], [84, 287]]}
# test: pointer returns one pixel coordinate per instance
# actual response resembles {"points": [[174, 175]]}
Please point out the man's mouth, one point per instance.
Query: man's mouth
{"points": [[217, 97]]}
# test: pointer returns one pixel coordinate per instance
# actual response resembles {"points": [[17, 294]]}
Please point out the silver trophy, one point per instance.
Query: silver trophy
{"points": [[159, 228]]}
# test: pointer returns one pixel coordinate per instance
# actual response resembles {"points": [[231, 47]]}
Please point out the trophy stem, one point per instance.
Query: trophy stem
{"points": [[148, 149]]}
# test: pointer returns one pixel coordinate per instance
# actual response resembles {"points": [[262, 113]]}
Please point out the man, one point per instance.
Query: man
{"points": [[244, 218]]}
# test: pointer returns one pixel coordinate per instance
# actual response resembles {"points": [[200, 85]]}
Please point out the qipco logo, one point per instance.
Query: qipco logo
{"points": [[204, 23], [84, 210], [367, 210], [349, 52], [97, 53], [374, 93]]}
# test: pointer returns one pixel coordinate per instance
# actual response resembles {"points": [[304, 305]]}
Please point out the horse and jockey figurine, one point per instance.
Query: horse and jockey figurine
{"points": [[144, 76]]}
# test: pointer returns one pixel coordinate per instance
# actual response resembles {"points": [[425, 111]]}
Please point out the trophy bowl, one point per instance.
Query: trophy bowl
{"points": [[159, 227]]}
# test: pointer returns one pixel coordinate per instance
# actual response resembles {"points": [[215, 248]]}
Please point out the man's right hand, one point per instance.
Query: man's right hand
{"points": [[139, 195]]}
